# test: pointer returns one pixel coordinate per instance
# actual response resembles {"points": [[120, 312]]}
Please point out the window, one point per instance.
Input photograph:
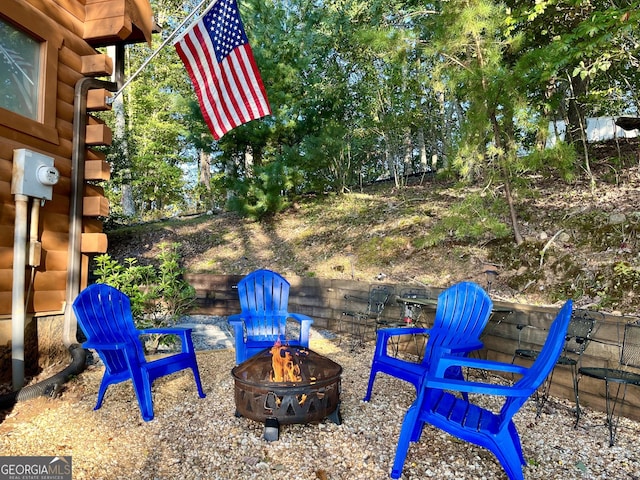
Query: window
{"points": [[29, 44], [19, 71]]}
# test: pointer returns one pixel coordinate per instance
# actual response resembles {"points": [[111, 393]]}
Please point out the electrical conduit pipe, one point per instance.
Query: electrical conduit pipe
{"points": [[18, 315]]}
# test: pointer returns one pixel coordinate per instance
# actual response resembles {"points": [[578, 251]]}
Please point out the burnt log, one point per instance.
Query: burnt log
{"points": [[628, 123]]}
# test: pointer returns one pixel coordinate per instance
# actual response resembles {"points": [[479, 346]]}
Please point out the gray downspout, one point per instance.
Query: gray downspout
{"points": [[78, 157], [52, 385]]}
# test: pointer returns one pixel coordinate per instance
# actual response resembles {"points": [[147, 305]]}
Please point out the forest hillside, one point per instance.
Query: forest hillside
{"points": [[581, 239]]}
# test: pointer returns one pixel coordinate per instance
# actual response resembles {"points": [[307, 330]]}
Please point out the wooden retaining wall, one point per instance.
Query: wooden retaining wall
{"points": [[324, 301]]}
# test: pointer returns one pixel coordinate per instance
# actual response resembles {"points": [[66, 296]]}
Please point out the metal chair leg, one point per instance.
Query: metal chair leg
{"points": [[542, 394], [574, 378], [612, 419]]}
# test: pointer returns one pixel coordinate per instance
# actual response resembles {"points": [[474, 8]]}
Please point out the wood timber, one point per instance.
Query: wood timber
{"points": [[69, 33]]}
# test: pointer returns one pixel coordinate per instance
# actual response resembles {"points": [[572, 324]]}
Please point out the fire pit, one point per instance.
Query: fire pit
{"points": [[287, 384]]}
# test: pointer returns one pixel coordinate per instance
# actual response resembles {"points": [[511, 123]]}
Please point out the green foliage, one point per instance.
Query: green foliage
{"points": [[264, 194], [626, 277], [474, 219], [367, 90], [558, 161], [159, 295], [176, 294], [128, 278]]}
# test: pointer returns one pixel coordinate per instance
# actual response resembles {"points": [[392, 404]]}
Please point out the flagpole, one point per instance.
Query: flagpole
{"points": [[152, 56]]}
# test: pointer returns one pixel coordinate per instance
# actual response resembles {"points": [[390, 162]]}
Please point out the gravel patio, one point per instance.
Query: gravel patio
{"points": [[193, 438]]}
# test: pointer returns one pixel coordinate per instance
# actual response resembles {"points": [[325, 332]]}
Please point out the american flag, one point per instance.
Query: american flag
{"points": [[220, 63]]}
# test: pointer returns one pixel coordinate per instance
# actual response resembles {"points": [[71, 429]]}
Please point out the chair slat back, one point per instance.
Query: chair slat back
{"points": [[630, 355], [544, 363], [378, 297], [461, 315], [264, 298], [579, 332], [104, 315]]}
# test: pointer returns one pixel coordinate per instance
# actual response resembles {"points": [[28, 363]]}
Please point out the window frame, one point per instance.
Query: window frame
{"points": [[33, 23]]}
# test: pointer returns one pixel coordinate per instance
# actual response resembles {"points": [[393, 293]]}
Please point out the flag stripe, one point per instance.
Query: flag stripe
{"points": [[240, 78], [248, 82], [188, 53], [233, 95], [260, 94], [219, 96], [243, 81], [222, 68]]}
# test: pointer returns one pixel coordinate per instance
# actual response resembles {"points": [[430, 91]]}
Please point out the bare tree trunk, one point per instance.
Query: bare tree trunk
{"points": [[512, 210], [446, 114], [503, 143], [248, 161], [408, 149], [423, 154], [230, 170], [344, 167], [389, 161], [204, 179], [507, 180], [119, 134], [575, 116], [577, 126]]}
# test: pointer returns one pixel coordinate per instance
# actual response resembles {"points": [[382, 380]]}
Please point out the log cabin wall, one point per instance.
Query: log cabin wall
{"points": [[68, 33], [324, 301]]}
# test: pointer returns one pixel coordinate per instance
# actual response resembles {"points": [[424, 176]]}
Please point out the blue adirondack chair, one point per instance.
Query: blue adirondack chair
{"points": [[438, 405], [264, 298], [462, 312], [104, 314]]}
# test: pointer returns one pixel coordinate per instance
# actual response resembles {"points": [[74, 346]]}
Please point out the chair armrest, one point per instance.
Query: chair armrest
{"points": [[435, 379], [391, 332], [165, 331], [104, 346], [300, 318], [237, 322], [305, 322], [447, 361], [186, 342], [437, 383]]}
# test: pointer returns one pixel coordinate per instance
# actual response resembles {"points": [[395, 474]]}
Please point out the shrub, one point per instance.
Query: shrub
{"points": [[264, 194], [475, 218], [559, 160], [159, 295]]}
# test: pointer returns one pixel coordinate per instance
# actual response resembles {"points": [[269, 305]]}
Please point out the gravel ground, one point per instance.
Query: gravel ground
{"points": [[193, 438]]}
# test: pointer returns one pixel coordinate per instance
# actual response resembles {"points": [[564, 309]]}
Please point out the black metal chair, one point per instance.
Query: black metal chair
{"points": [[578, 336], [622, 376], [412, 303], [365, 312]]}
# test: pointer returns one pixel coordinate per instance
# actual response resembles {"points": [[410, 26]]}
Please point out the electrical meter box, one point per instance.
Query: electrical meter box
{"points": [[33, 174]]}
